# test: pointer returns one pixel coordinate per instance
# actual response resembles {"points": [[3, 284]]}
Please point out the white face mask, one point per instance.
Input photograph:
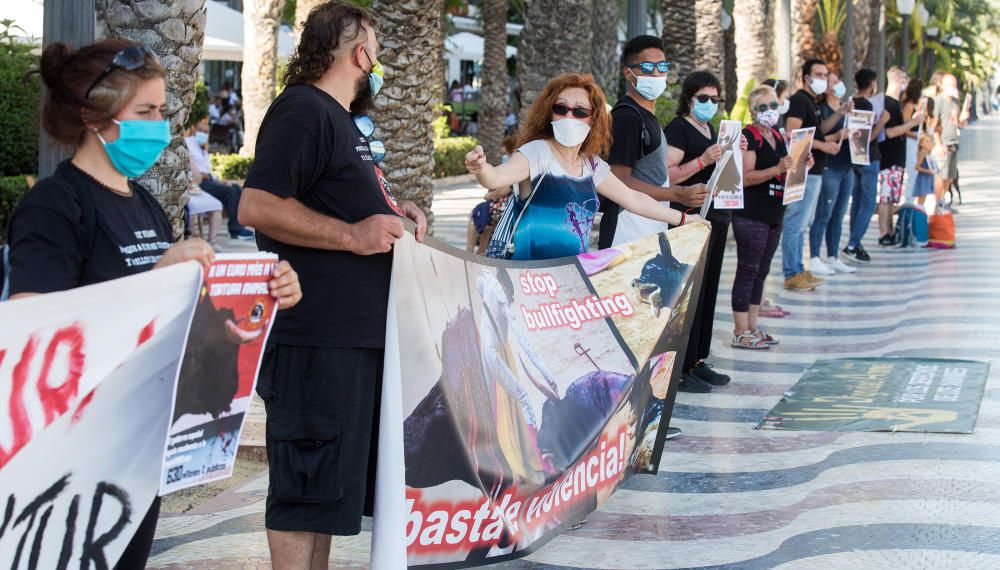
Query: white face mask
{"points": [[818, 86], [839, 89], [784, 107], [768, 118], [650, 87], [570, 132]]}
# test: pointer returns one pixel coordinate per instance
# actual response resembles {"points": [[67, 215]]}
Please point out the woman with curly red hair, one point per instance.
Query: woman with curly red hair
{"points": [[560, 172]]}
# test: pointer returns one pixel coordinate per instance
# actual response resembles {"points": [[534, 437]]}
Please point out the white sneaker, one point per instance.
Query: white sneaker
{"points": [[817, 267], [839, 266]]}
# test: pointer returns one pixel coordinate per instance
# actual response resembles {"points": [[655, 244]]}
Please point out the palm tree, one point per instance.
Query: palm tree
{"points": [[678, 36], [754, 41], [556, 39], [863, 16], [302, 9], [804, 42], [261, 20], [493, 95], [710, 48], [176, 32], [604, 47], [412, 41]]}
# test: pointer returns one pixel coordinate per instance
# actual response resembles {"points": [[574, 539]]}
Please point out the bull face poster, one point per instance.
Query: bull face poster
{"points": [[225, 345], [726, 184], [799, 147], [517, 396], [859, 133]]}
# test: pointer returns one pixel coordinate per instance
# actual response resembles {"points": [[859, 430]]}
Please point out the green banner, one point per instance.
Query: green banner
{"points": [[883, 394]]}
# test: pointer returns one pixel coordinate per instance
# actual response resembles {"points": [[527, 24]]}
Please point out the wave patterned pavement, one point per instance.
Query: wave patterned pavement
{"points": [[731, 497]]}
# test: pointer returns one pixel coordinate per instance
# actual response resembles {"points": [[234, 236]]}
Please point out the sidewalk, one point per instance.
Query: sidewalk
{"points": [[729, 496]]}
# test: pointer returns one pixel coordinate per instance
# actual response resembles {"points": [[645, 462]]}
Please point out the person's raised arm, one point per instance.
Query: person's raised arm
{"points": [[642, 204], [906, 127], [511, 172], [753, 177], [880, 125], [689, 195], [831, 121]]}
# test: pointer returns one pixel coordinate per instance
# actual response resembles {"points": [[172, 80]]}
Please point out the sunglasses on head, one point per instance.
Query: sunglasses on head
{"points": [[649, 66], [706, 98], [773, 105], [565, 110], [366, 126], [131, 58]]}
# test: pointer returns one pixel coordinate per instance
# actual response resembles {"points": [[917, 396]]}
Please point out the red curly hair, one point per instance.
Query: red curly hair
{"points": [[538, 124]]}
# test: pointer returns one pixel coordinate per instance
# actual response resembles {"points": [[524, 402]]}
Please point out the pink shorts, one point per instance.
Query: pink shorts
{"points": [[890, 185]]}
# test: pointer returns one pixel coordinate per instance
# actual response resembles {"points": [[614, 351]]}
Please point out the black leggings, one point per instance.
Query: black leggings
{"points": [[756, 243], [700, 341], [137, 552]]}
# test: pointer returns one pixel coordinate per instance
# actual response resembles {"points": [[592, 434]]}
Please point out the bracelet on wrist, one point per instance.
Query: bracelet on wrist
{"points": [[683, 218], [701, 165]]}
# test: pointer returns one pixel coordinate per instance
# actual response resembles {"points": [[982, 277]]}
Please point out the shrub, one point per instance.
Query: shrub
{"points": [[12, 188], [230, 166], [199, 107], [449, 155], [19, 101]]}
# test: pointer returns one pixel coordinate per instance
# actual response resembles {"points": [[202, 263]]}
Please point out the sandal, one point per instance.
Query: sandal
{"points": [[769, 309], [749, 340], [768, 339]]}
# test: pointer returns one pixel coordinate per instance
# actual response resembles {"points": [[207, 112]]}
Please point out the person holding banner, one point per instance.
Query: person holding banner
{"points": [[88, 222], [865, 192], [803, 112], [560, 172], [692, 153], [315, 196], [757, 227]]}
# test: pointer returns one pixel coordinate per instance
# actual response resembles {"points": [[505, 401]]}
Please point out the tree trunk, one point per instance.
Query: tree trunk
{"points": [[805, 43], [261, 19], [556, 39], [754, 42], [863, 12], [872, 49], [175, 30], [710, 47], [493, 96], [411, 41], [679, 25], [730, 83], [302, 9], [604, 60]]}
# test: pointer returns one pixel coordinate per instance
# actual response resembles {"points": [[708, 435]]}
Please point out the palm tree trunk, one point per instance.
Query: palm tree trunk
{"points": [[679, 33], [261, 19], [604, 49], [493, 99], [804, 42], [730, 83], [556, 39], [412, 41], [754, 42], [710, 49], [863, 11], [302, 9], [176, 32]]}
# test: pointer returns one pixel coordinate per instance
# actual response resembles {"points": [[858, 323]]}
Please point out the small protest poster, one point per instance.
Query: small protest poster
{"points": [[231, 322], [726, 184], [799, 147], [859, 134]]}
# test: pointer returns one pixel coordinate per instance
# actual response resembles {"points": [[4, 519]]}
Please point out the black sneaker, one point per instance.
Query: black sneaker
{"points": [[672, 432], [705, 372], [888, 240], [855, 254], [691, 383]]}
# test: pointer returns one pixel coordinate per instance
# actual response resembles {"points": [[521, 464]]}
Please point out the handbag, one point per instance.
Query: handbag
{"points": [[501, 245]]}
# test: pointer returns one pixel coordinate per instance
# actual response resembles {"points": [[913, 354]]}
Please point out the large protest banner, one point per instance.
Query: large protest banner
{"points": [[517, 396], [226, 344], [86, 392]]}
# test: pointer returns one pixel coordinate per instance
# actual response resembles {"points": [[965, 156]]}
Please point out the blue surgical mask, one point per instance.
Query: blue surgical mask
{"points": [[376, 77], [649, 87], [705, 111], [138, 147], [839, 90], [201, 137]]}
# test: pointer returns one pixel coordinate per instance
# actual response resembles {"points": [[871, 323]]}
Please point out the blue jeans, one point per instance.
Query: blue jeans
{"points": [[864, 202], [798, 216], [833, 199]]}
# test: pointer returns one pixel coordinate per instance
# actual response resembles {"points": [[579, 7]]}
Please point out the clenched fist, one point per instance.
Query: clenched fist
{"points": [[376, 234], [475, 160]]}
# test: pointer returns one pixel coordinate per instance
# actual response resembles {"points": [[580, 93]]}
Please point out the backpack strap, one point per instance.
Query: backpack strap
{"points": [[644, 137]]}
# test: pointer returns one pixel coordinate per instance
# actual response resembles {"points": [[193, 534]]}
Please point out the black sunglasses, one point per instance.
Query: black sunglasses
{"points": [[649, 66], [563, 111], [706, 98], [773, 105], [131, 58]]}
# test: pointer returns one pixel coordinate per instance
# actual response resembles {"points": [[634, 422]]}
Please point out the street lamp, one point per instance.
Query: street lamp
{"points": [[905, 8]]}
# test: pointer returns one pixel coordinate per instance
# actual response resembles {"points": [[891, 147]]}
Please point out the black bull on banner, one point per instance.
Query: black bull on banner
{"points": [[519, 395]]}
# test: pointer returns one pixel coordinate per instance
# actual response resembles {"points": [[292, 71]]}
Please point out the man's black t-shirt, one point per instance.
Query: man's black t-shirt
{"points": [[683, 135], [635, 133], [70, 230], [309, 149], [893, 149], [802, 105], [763, 202]]}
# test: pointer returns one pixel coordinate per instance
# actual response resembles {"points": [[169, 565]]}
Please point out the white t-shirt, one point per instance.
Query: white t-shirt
{"points": [[541, 158]]}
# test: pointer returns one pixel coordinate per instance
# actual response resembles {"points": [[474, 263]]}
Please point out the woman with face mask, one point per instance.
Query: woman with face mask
{"points": [[757, 227], [88, 222], [560, 173]]}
